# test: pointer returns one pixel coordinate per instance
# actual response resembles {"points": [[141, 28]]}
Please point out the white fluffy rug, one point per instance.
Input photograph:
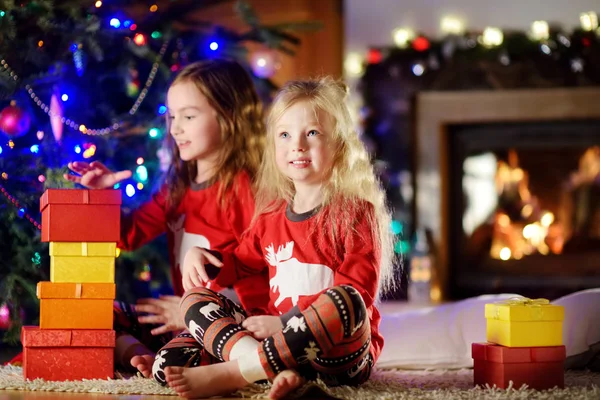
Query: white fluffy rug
{"points": [[385, 384]]}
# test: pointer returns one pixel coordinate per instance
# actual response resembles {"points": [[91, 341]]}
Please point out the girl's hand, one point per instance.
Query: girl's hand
{"points": [[95, 175], [164, 310], [263, 326], [193, 272]]}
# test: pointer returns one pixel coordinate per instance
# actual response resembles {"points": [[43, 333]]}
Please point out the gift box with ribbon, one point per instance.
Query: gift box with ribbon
{"points": [[76, 305], [538, 367], [80, 215], [523, 322], [58, 355], [82, 262]]}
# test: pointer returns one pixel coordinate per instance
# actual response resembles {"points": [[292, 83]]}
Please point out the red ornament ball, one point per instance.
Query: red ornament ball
{"points": [[421, 43], [374, 56], [14, 121], [4, 316]]}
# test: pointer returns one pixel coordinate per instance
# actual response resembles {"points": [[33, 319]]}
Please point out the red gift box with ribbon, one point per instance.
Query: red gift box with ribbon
{"points": [[81, 215], [59, 355], [538, 367]]}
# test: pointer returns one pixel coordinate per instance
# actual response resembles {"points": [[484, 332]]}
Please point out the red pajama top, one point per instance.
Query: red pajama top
{"points": [[302, 266], [200, 221]]}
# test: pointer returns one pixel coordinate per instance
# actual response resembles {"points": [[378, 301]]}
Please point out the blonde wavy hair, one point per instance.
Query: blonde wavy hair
{"points": [[230, 91], [352, 177]]}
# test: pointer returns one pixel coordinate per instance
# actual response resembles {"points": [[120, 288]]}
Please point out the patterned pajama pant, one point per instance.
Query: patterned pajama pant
{"points": [[330, 339]]}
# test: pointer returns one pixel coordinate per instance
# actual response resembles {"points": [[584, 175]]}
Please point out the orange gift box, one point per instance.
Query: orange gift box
{"points": [[81, 215], [59, 355], [76, 305]]}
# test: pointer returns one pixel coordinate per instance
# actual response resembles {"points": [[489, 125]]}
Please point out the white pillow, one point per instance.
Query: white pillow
{"points": [[441, 336]]}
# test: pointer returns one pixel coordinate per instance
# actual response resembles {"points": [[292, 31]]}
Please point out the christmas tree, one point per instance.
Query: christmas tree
{"points": [[84, 80]]}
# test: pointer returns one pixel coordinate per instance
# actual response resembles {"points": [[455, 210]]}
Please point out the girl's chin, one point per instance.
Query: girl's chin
{"points": [[187, 157]]}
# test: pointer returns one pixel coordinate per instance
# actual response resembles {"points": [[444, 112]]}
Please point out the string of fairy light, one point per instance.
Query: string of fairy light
{"points": [[82, 127], [22, 212], [491, 37]]}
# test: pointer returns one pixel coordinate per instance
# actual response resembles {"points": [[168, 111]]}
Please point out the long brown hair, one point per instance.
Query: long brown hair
{"points": [[230, 91]]}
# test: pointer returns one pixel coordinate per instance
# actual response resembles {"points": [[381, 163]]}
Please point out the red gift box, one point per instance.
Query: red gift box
{"points": [[59, 355], [81, 215], [538, 367]]}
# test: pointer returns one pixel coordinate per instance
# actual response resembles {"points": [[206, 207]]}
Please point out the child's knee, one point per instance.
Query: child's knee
{"points": [[347, 294], [351, 306], [197, 295]]}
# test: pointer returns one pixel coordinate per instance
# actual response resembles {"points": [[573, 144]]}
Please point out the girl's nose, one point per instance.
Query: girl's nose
{"points": [[174, 128], [299, 144]]}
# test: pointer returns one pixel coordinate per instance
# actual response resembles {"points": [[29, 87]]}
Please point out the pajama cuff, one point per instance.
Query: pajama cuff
{"points": [[251, 367], [245, 344], [211, 270]]}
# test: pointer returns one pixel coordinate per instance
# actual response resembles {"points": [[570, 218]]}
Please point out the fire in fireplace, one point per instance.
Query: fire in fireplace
{"points": [[524, 207]]}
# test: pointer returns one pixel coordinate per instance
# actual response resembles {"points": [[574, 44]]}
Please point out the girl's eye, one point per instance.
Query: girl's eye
{"points": [[313, 133], [284, 135], [190, 117]]}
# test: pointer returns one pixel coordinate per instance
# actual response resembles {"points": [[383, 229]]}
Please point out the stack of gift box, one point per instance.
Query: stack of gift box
{"points": [[75, 339], [524, 345]]}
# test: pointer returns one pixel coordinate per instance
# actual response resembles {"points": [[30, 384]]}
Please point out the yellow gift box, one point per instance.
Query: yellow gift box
{"points": [[82, 269], [82, 262], [523, 322]]}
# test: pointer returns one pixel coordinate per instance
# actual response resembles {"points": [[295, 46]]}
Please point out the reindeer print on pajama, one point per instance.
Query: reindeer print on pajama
{"points": [[294, 278], [330, 340], [213, 323]]}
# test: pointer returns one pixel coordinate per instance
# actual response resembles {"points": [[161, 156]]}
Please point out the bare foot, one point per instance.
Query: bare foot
{"points": [[143, 364], [126, 348], [206, 381], [284, 383]]}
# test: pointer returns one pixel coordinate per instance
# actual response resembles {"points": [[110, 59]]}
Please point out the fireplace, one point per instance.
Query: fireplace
{"points": [[524, 212], [501, 184]]}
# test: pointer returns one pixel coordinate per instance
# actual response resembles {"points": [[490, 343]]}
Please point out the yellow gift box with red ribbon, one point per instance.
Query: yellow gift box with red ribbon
{"points": [[523, 322]]}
